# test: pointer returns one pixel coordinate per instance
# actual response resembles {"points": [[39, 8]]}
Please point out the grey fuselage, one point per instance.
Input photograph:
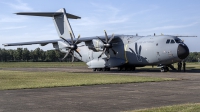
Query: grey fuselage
{"points": [[135, 51], [111, 51]]}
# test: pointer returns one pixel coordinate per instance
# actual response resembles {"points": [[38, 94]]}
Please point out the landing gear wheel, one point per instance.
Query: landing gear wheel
{"points": [[119, 68], [98, 69], [164, 69], [104, 69], [128, 68], [167, 69], [133, 68], [107, 69], [94, 69]]}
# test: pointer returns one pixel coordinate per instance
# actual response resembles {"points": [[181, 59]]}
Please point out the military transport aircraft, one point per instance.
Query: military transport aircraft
{"points": [[104, 52]]}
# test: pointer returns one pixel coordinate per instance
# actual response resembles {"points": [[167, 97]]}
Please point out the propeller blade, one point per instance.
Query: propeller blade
{"points": [[77, 39], [102, 40], [108, 57], [106, 36], [132, 50], [78, 53], [140, 48], [136, 48], [111, 38], [72, 56], [104, 50], [72, 40], [108, 51], [65, 40], [66, 54], [114, 51]]}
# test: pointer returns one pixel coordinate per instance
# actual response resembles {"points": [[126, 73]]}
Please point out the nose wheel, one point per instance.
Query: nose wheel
{"points": [[164, 69]]}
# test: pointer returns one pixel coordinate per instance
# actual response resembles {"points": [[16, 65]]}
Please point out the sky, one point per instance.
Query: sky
{"points": [[128, 17]]}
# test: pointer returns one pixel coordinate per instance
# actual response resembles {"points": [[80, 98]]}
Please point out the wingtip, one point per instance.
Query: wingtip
{"points": [[5, 44]]}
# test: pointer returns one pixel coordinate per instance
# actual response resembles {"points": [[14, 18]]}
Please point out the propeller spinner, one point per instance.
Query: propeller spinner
{"points": [[107, 45], [72, 46]]}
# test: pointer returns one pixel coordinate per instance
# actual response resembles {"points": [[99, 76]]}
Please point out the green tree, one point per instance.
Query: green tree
{"points": [[50, 55], [25, 54]]}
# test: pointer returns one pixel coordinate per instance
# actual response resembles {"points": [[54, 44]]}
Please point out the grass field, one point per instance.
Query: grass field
{"points": [[175, 108], [41, 64], [189, 66], [21, 79]]}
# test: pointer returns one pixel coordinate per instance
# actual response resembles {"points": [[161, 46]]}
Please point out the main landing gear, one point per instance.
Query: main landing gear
{"points": [[164, 69], [101, 69], [126, 68]]}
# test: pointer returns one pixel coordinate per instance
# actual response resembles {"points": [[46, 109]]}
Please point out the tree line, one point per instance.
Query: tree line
{"points": [[39, 55], [193, 57]]}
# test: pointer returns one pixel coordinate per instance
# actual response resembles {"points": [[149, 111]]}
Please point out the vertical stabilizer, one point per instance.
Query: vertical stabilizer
{"points": [[60, 19], [62, 25]]}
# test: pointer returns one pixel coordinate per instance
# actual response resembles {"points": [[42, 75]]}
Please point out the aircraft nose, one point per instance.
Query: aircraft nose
{"points": [[182, 51]]}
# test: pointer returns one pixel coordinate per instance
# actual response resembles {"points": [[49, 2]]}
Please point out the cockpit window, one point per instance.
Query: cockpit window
{"points": [[178, 40], [168, 40], [172, 41]]}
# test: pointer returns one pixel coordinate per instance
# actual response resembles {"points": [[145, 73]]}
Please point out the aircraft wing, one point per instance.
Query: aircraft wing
{"points": [[42, 43], [87, 40], [45, 42]]}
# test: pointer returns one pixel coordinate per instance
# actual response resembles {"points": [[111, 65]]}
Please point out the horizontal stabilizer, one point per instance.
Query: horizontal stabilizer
{"points": [[48, 14]]}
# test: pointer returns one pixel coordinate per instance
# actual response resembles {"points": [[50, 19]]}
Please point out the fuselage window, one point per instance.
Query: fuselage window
{"points": [[168, 40], [172, 41]]}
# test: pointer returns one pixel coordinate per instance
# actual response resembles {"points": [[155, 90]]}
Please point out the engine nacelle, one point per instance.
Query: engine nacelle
{"points": [[61, 46], [95, 45], [98, 44]]}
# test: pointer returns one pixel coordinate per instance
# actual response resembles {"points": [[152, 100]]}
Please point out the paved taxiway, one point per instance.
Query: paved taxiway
{"points": [[113, 97]]}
